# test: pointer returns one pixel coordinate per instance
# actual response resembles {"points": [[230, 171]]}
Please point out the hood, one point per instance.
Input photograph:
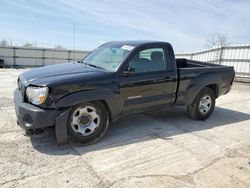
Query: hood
{"points": [[53, 73]]}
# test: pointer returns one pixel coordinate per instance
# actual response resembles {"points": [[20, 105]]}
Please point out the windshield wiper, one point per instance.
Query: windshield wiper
{"points": [[92, 65]]}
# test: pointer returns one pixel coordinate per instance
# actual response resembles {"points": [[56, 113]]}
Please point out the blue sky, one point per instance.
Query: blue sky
{"points": [[186, 24]]}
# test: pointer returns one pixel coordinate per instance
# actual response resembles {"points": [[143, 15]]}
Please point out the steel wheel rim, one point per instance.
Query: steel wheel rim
{"points": [[205, 104], [85, 120]]}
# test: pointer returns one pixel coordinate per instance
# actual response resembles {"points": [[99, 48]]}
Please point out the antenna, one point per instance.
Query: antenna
{"points": [[73, 42]]}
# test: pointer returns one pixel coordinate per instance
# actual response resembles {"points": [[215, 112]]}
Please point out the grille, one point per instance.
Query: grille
{"points": [[21, 88], [19, 84]]}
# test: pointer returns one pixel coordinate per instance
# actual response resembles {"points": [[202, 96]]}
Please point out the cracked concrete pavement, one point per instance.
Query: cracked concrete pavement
{"points": [[164, 148]]}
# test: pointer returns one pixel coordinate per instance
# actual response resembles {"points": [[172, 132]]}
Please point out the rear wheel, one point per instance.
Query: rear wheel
{"points": [[203, 105], [88, 122]]}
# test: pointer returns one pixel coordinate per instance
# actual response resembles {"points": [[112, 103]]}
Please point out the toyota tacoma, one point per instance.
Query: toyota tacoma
{"points": [[81, 99]]}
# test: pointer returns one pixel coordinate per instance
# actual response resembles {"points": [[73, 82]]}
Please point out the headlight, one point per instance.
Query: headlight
{"points": [[36, 95]]}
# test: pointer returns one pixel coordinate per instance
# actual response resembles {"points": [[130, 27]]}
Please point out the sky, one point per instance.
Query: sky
{"points": [[185, 24]]}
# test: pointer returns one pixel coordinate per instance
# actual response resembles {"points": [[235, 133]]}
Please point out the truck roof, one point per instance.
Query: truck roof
{"points": [[138, 42]]}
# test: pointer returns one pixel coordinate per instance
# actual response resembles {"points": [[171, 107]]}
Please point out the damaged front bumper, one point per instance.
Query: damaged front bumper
{"points": [[33, 117]]}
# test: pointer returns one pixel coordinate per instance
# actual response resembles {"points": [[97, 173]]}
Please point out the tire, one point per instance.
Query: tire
{"points": [[88, 122], [203, 104]]}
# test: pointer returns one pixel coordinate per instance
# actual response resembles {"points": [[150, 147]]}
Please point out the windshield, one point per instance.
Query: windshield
{"points": [[108, 56]]}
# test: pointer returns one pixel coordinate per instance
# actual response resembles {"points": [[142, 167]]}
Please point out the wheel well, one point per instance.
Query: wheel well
{"points": [[106, 106], [214, 87]]}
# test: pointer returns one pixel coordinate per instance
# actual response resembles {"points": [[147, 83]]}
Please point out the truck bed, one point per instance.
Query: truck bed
{"points": [[186, 63], [190, 71]]}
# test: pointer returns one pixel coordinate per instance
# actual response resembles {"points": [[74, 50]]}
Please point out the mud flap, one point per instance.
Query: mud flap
{"points": [[61, 128]]}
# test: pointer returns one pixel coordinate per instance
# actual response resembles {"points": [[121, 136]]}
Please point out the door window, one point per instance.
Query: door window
{"points": [[149, 60]]}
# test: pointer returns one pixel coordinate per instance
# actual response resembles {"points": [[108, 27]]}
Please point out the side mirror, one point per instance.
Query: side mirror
{"points": [[128, 71]]}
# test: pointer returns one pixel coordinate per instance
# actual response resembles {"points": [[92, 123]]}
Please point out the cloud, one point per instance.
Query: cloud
{"points": [[186, 24]]}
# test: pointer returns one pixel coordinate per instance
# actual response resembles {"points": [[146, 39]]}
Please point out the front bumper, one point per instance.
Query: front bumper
{"points": [[32, 117]]}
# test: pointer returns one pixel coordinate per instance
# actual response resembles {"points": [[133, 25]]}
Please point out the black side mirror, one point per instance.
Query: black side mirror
{"points": [[128, 71]]}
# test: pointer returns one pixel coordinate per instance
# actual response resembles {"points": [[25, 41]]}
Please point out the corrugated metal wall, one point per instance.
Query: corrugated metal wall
{"points": [[28, 57], [237, 56]]}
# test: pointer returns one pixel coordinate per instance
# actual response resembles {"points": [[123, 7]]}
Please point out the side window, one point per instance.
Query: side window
{"points": [[149, 60]]}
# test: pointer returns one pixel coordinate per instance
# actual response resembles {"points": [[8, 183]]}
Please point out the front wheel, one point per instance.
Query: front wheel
{"points": [[203, 105], [88, 122]]}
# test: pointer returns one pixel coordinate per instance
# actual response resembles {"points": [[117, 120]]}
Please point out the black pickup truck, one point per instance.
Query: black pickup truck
{"points": [[82, 98]]}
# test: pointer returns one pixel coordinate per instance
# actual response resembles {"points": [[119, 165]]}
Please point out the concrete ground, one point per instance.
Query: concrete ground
{"points": [[161, 149]]}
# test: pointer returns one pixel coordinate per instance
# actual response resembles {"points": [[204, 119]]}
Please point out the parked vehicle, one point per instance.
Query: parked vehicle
{"points": [[81, 99], [1, 63]]}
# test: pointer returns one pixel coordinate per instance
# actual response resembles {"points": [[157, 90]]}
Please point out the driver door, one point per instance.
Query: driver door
{"points": [[150, 84]]}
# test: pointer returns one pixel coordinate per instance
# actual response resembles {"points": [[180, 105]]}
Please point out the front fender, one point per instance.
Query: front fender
{"points": [[111, 99]]}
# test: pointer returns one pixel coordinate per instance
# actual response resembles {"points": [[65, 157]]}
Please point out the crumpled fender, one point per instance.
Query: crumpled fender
{"points": [[111, 99], [61, 129]]}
